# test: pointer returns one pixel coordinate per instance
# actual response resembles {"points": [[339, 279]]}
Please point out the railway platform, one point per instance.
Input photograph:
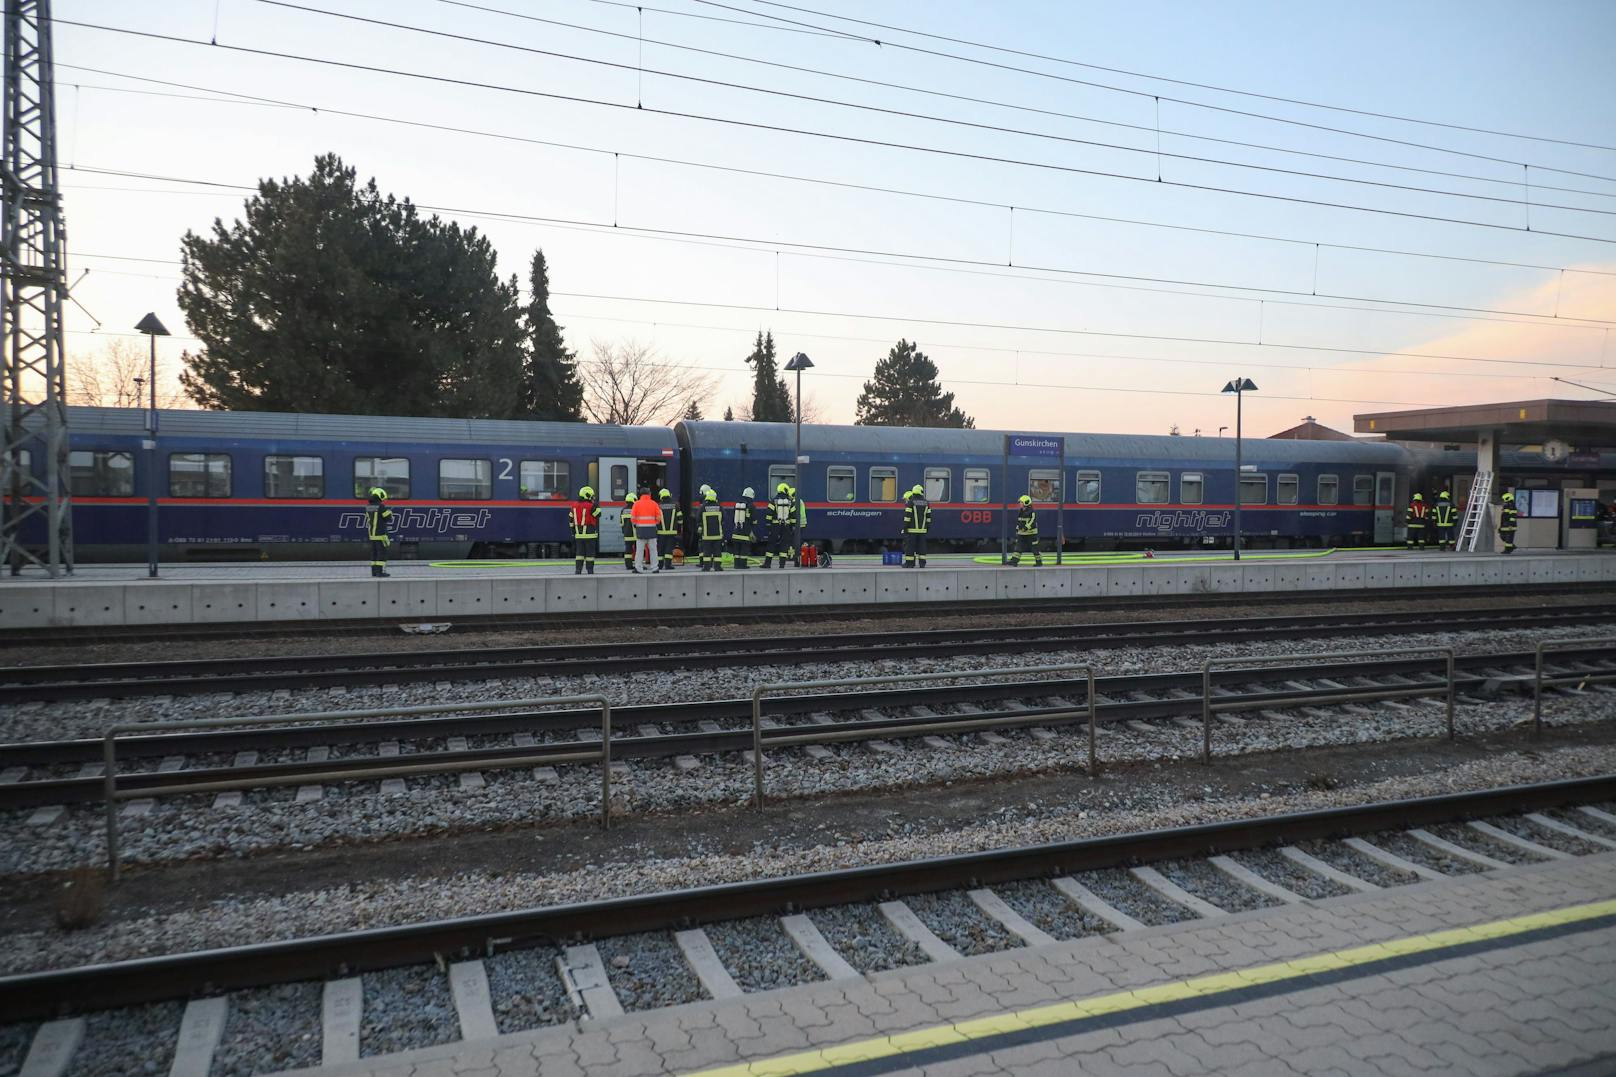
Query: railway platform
{"points": [[1506, 972], [122, 595]]}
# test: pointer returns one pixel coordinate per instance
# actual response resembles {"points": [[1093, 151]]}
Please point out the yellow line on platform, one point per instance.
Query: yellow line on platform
{"points": [[826, 1059]]}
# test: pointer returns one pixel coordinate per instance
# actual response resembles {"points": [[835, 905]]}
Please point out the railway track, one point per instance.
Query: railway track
{"points": [[1400, 849], [785, 615], [20, 684], [672, 731]]}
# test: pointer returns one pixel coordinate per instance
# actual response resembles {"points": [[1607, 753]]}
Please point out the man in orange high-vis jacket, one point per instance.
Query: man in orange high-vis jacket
{"points": [[647, 516]]}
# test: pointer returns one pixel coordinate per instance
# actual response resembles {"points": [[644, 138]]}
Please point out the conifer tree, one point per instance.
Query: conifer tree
{"points": [[553, 390], [771, 399], [905, 392]]}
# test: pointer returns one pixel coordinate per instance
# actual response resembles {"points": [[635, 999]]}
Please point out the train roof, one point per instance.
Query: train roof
{"points": [[292, 426], [930, 441]]}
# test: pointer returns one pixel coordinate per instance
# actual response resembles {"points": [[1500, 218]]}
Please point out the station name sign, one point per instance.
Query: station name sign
{"points": [[1034, 445]]}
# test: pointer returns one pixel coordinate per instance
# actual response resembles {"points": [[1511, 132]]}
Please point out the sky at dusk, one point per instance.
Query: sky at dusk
{"points": [[1077, 248]]}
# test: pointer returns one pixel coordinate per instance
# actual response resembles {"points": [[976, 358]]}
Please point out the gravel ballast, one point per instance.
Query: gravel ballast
{"points": [[1546, 836], [14, 1043], [1288, 873], [1128, 895], [760, 955], [1467, 838], [270, 1029], [1351, 861], [956, 919], [406, 1008], [862, 935], [118, 1043], [648, 971], [526, 990], [1048, 909], [1418, 852], [1205, 881]]}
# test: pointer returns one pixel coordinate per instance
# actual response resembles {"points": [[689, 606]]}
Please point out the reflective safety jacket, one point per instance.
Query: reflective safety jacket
{"points": [[712, 521], [784, 507], [1443, 514], [672, 518], [585, 519], [646, 513], [627, 519], [917, 516], [1507, 517], [377, 517], [1416, 516], [741, 521], [1027, 521]]}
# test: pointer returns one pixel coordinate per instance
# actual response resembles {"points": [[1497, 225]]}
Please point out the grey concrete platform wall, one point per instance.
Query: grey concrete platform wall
{"points": [[70, 603]]}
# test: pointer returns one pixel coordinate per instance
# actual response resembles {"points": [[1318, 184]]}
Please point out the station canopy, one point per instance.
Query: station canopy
{"points": [[1585, 423]]}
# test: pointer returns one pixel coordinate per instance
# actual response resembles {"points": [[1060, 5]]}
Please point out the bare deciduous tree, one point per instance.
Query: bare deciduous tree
{"points": [[116, 378], [631, 385]]}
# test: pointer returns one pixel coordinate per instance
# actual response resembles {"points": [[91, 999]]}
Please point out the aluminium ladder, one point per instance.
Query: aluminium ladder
{"points": [[1475, 512]]}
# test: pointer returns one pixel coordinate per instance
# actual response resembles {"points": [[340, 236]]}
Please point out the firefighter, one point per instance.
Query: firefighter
{"points": [[1416, 522], [1443, 518], [647, 517], [1507, 517], [712, 532], [916, 522], [669, 526], [627, 522], [1027, 533], [377, 518], [782, 511], [585, 531], [799, 519], [740, 529]]}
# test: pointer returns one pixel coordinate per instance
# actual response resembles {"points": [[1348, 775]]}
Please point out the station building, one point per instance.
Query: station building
{"points": [[1558, 456]]}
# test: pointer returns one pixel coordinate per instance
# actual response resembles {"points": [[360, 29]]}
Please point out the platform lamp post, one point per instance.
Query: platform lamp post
{"points": [[1239, 387], [799, 363], [153, 329]]}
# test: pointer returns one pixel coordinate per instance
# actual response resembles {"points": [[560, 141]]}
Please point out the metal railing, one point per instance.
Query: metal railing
{"points": [[335, 772], [1539, 681], [1346, 695], [782, 738]]}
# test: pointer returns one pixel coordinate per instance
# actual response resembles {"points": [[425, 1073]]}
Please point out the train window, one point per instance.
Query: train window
{"points": [[198, 474], [1287, 490], [883, 484], [840, 483], [1363, 490], [779, 473], [617, 486], [1254, 489], [1088, 487], [1152, 487], [1191, 488], [548, 479], [391, 473], [465, 480], [294, 476], [1044, 485], [1329, 490], [939, 481], [101, 474], [977, 485]]}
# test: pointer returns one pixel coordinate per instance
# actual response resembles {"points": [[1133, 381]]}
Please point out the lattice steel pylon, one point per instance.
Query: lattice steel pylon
{"points": [[36, 522]]}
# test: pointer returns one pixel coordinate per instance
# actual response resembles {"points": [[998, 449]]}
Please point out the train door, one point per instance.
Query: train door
{"points": [[617, 481], [1385, 508]]}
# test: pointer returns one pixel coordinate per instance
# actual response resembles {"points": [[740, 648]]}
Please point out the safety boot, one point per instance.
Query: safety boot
{"points": [[591, 569]]}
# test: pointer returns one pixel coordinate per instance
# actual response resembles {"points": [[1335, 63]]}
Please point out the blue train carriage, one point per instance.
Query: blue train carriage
{"points": [[1114, 490], [259, 485]]}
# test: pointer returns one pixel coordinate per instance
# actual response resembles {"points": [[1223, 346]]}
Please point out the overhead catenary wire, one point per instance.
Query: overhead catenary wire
{"points": [[828, 135], [797, 177], [1448, 124], [1154, 129], [945, 263], [932, 117], [1195, 104]]}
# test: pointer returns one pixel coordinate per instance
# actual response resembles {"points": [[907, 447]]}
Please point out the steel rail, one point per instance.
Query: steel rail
{"points": [[21, 684], [54, 993], [1425, 682]]}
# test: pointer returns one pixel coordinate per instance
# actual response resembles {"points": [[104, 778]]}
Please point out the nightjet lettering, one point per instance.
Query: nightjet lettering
{"points": [[1199, 520], [430, 521]]}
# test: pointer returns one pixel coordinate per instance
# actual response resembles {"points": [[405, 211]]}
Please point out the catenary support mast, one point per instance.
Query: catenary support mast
{"points": [[36, 522]]}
